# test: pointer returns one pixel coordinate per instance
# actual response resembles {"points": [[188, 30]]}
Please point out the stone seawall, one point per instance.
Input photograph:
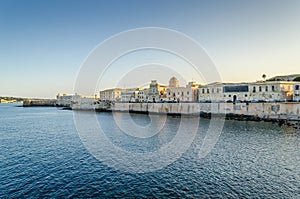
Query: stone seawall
{"points": [[254, 109], [283, 113]]}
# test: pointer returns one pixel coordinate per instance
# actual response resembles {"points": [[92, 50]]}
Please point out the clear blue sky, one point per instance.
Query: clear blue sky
{"points": [[43, 43]]}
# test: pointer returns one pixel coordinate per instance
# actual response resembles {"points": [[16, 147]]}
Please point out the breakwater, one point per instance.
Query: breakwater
{"points": [[283, 113], [40, 102]]}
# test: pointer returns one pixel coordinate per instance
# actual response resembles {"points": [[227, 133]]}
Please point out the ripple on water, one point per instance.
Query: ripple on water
{"points": [[42, 156]]}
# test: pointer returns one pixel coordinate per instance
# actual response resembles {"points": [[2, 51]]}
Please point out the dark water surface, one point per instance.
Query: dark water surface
{"points": [[43, 156]]}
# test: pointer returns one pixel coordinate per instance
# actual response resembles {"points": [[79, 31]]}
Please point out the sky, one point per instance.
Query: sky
{"points": [[43, 44]]}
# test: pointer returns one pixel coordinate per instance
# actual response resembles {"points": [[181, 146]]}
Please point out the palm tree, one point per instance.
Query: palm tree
{"points": [[264, 76]]}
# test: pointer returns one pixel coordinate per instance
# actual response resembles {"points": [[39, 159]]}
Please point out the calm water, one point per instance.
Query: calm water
{"points": [[43, 156]]}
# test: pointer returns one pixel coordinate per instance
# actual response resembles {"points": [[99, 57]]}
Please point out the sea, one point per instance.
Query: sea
{"points": [[49, 152]]}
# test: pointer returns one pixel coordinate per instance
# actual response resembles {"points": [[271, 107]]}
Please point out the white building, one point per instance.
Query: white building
{"points": [[183, 94], [84, 102], [64, 100], [129, 95], [256, 91], [271, 91], [111, 94], [76, 101], [212, 92], [143, 95]]}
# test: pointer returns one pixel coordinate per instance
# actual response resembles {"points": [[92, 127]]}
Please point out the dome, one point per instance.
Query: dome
{"points": [[173, 82]]}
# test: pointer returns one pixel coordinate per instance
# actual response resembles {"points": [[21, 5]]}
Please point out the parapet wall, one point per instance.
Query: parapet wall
{"points": [[253, 109]]}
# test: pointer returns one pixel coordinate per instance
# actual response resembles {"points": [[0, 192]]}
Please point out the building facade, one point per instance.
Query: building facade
{"points": [[75, 100], [183, 94], [143, 95], [271, 91], [260, 91], [64, 100], [254, 92], [156, 92], [130, 95], [113, 95], [211, 92]]}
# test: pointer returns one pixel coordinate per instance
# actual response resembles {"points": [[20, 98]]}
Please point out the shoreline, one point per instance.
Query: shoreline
{"points": [[279, 112], [282, 113], [229, 116]]}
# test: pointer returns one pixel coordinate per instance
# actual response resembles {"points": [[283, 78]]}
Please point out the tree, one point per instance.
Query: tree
{"points": [[264, 76], [297, 79]]}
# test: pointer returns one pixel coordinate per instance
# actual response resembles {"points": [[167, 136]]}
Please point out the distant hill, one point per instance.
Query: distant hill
{"points": [[294, 77]]}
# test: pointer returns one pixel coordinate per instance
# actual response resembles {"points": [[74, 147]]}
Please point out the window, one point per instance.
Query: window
{"points": [[273, 88], [203, 90], [182, 93], [297, 87], [254, 89], [260, 89], [246, 95], [267, 88], [234, 89], [187, 92], [212, 90], [229, 95], [207, 90]]}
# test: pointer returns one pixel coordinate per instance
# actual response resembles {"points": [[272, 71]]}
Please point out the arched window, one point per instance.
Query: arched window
{"points": [[254, 89]]}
